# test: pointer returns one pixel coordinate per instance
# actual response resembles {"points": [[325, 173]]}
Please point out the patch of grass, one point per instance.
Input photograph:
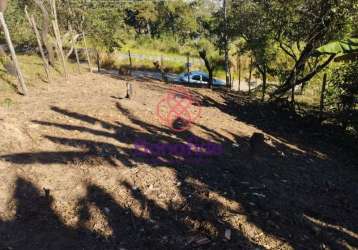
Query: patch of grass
{"points": [[143, 59], [176, 64], [7, 102], [32, 68], [166, 45]]}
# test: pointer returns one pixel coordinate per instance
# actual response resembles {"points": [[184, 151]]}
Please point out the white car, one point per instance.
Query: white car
{"points": [[199, 77]]}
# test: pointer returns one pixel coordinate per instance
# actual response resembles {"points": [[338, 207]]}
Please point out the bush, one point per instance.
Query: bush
{"points": [[107, 60], [343, 92]]}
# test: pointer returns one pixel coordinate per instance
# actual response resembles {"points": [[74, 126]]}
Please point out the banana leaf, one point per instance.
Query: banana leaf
{"points": [[339, 48]]}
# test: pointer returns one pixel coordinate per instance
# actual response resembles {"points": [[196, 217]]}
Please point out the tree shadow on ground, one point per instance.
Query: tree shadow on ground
{"points": [[318, 171], [288, 193], [278, 120], [37, 226]]}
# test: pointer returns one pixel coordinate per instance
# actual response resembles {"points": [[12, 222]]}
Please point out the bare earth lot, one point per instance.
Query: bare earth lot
{"points": [[70, 179]]}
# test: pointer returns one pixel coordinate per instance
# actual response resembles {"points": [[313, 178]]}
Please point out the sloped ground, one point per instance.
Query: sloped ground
{"points": [[71, 178]]}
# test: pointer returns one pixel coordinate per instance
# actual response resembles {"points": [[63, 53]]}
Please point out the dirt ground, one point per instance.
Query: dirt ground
{"points": [[71, 177]]}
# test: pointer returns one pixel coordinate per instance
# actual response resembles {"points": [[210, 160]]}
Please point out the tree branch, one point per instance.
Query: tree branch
{"points": [[73, 42], [291, 54], [284, 88], [315, 71]]}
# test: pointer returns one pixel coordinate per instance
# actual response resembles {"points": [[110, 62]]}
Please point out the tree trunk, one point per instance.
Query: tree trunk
{"points": [[298, 69], [45, 62], [239, 69], [33, 24], [77, 58], [45, 32], [60, 49], [20, 77], [73, 48], [57, 32], [226, 45], [210, 78], [209, 67], [264, 81], [87, 52], [293, 91]]}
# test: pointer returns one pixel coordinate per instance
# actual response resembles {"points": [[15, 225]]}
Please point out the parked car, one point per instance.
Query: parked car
{"points": [[199, 77]]}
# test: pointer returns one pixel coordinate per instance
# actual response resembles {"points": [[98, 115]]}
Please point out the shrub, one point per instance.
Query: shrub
{"points": [[343, 92]]}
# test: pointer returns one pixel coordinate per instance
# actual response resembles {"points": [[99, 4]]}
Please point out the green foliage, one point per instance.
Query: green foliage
{"points": [[142, 16], [345, 46], [165, 43], [106, 28], [343, 92], [19, 28], [254, 27]]}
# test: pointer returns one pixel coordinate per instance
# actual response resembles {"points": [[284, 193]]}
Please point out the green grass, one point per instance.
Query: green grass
{"points": [[32, 68], [152, 52], [165, 44], [173, 63]]}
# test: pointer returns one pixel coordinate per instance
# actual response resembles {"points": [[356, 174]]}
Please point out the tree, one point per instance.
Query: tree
{"points": [[143, 16], [178, 18], [17, 23], [210, 55], [253, 26], [209, 66], [301, 27], [105, 26]]}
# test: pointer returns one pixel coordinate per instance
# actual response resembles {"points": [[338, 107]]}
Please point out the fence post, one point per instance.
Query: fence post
{"points": [[130, 62], [188, 67], [98, 62], [323, 90], [20, 77]]}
